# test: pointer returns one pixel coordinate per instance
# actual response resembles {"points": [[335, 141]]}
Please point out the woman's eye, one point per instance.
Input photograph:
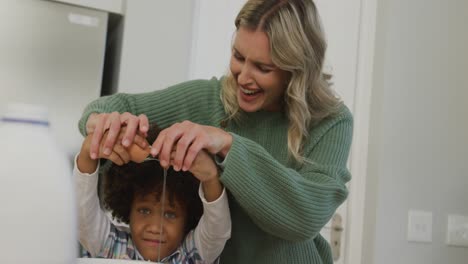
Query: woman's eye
{"points": [[169, 215], [264, 70], [144, 211], [238, 57]]}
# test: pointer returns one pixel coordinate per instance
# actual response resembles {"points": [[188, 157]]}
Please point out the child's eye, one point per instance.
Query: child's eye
{"points": [[169, 215], [144, 211]]}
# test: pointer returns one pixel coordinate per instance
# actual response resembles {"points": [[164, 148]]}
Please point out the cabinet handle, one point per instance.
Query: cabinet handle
{"points": [[335, 237]]}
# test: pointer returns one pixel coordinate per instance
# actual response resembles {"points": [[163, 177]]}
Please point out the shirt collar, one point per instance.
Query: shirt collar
{"points": [[166, 259]]}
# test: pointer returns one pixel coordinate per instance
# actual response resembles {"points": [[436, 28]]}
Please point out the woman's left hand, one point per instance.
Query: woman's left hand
{"points": [[188, 139]]}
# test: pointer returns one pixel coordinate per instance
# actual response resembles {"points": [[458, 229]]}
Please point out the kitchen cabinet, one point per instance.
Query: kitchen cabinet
{"points": [[52, 54]]}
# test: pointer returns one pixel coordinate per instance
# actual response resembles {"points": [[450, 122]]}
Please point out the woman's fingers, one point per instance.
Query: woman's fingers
{"points": [[141, 141], [192, 153], [144, 124], [132, 125], [171, 162], [163, 145], [113, 124], [171, 136], [135, 125], [99, 121], [157, 144], [188, 139], [179, 138], [113, 156], [183, 144]]}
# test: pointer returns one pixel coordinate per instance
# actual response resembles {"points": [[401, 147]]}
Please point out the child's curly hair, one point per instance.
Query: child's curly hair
{"points": [[122, 183]]}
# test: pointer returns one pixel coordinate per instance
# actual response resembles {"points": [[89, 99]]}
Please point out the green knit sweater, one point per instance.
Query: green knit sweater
{"points": [[277, 207]]}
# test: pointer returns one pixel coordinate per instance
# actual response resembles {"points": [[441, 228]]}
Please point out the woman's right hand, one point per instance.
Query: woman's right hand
{"points": [[98, 124]]}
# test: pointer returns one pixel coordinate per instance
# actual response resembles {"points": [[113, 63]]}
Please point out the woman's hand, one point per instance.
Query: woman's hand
{"points": [[111, 123], [119, 155], [86, 164], [188, 139]]}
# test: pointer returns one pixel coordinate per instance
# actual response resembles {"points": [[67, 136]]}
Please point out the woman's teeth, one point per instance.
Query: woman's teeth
{"points": [[249, 92]]}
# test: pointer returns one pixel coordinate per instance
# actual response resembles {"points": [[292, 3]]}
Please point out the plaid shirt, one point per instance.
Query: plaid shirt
{"points": [[119, 245]]}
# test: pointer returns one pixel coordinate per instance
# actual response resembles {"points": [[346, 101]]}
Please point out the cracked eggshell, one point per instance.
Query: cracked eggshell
{"points": [[138, 154]]}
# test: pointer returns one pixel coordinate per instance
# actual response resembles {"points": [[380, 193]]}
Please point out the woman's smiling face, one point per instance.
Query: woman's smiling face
{"points": [[261, 85]]}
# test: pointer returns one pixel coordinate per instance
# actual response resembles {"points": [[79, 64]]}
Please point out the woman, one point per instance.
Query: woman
{"points": [[280, 134]]}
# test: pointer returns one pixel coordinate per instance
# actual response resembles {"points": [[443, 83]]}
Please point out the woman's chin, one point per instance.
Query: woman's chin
{"points": [[249, 107]]}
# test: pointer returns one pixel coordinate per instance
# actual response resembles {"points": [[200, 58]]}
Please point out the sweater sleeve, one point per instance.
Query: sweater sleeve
{"points": [[293, 204], [93, 224], [197, 101]]}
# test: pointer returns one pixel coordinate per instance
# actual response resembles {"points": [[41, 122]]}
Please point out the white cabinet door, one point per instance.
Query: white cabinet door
{"points": [[52, 54], [113, 6]]}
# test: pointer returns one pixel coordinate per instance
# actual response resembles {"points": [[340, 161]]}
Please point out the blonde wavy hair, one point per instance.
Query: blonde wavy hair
{"points": [[298, 46]]}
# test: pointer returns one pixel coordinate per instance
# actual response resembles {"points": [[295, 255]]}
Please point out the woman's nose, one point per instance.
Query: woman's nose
{"points": [[244, 77]]}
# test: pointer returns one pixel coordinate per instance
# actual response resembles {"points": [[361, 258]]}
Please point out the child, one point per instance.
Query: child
{"points": [[133, 193]]}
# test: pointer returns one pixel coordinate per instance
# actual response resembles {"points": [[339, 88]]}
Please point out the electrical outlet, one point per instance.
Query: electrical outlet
{"points": [[457, 230], [419, 226]]}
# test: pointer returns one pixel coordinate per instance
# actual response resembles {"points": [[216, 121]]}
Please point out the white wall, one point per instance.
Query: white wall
{"points": [[156, 44], [418, 148], [213, 31]]}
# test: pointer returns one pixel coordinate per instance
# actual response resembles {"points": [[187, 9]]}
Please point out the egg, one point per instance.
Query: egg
{"points": [[138, 154]]}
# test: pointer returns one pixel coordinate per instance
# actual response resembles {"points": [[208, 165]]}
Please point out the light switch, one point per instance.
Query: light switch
{"points": [[457, 230], [419, 226]]}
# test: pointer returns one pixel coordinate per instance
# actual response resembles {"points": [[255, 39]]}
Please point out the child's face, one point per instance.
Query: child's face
{"points": [[145, 226]]}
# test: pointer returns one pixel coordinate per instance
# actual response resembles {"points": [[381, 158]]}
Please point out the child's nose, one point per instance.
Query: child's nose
{"points": [[154, 225], [154, 228]]}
